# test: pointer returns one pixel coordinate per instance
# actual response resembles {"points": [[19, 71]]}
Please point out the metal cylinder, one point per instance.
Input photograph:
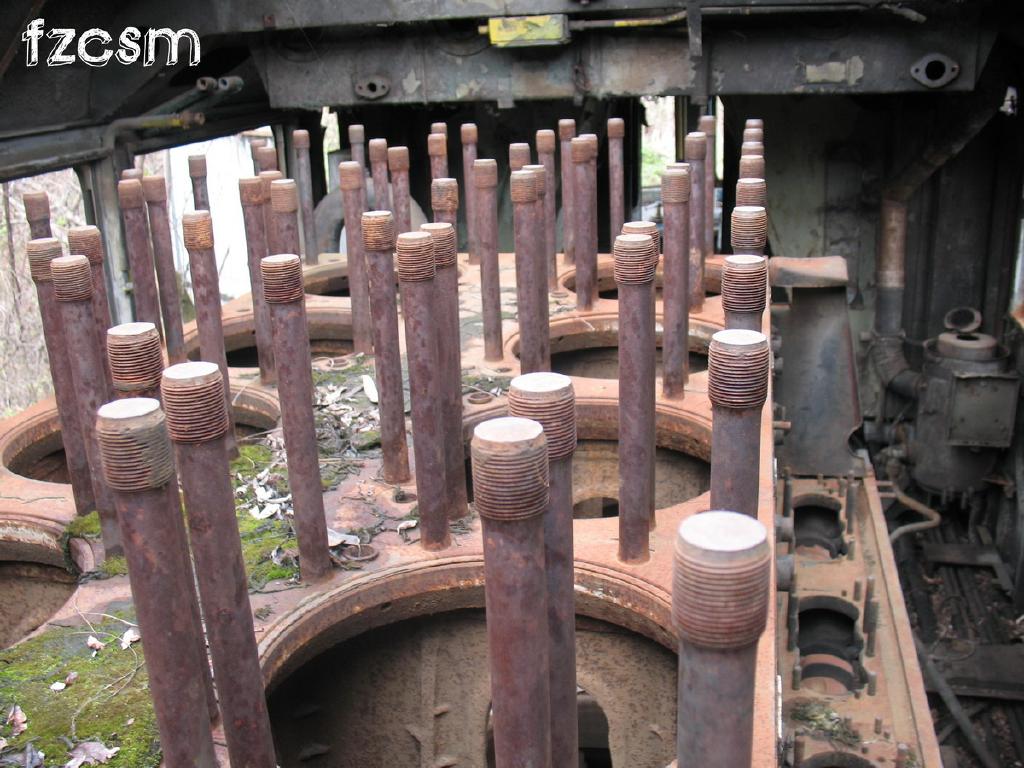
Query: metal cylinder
{"points": [[197, 228], [266, 158], [304, 181], [534, 344], [444, 201], [449, 362], [543, 260], [708, 125], [251, 195], [720, 593], [675, 341], [284, 292], [357, 142], [753, 134], [751, 167], [744, 290], [695, 154], [200, 191], [198, 424], [254, 144], [154, 189], [352, 181], [548, 399], [439, 127], [585, 214], [87, 241], [891, 269], [139, 251], [510, 481], [269, 222], [751, 148], [566, 133], [37, 214], [40, 253], [485, 179], [136, 360], [378, 151], [518, 156], [469, 135], [131, 173], [751, 192], [546, 157], [636, 259], [749, 231], [379, 242], [437, 149], [416, 271], [616, 177], [284, 205], [139, 468], [738, 369], [72, 288]]}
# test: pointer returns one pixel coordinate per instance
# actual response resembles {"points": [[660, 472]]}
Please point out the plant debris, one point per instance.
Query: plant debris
{"points": [[824, 722], [90, 753]]}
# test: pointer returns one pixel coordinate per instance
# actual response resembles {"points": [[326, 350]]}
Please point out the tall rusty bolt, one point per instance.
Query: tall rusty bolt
{"points": [[531, 280], [695, 148], [266, 158], [470, 135], [749, 229], [548, 399], [416, 270], [441, 128], [566, 133], [398, 165], [379, 242], [200, 191], [585, 215], [751, 192], [720, 592], [255, 142], [139, 468], [708, 125], [197, 229], [139, 250], [545, 258], [378, 150], [269, 222], [304, 181], [449, 361], [738, 367], [357, 141], [444, 200], [352, 181], [136, 360], [284, 292], [251, 195], [744, 291], [546, 157], [154, 189], [518, 156], [752, 167], [284, 204], [437, 149], [72, 287], [40, 253], [510, 481], [87, 241], [616, 177], [675, 343], [198, 424], [37, 214], [636, 259], [485, 179]]}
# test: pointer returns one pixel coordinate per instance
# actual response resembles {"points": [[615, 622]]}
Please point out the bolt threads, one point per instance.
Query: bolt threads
{"points": [[284, 196], [300, 138], [636, 259], [442, 235], [415, 256], [545, 141], [539, 179], [549, 399], [707, 125], [738, 364], [752, 192], [695, 147], [251, 192], [129, 193], [469, 133], [444, 194], [37, 206], [437, 145], [356, 134], [282, 278], [754, 122], [72, 278], [752, 167], [377, 150], [648, 228], [439, 128], [751, 149], [753, 134], [193, 395], [267, 158], [196, 166], [518, 156], [350, 174], [580, 149], [154, 188], [510, 469], [566, 129], [134, 447], [591, 141], [749, 228], [267, 178], [485, 173], [398, 159], [744, 283], [135, 355], [378, 230], [721, 580], [675, 185], [616, 127], [132, 173], [197, 229], [523, 187], [88, 241], [40, 253]]}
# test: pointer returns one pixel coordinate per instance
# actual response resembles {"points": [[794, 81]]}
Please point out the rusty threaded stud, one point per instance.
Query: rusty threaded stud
{"points": [[41, 252], [518, 156], [545, 141], [437, 145], [616, 177], [284, 196], [531, 271], [695, 153], [134, 445], [136, 358], [132, 174], [590, 139], [266, 157], [738, 362], [648, 228], [675, 184], [378, 154], [377, 150], [440, 128], [485, 179], [695, 146], [250, 191], [754, 122], [580, 149], [469, 133], [548, 399], [300, 138], [510, 469], [378, 230], [129, 193], [566, 129], [566, 133], [197, 166], [752, 149], [37, 213], [751, 192], [72, 278], [282, 278], [356, 134], [744, 290], [707, 124], [749, 229], [398, 159], [523, 186], [636, 258], [752, 167], [753, 134], [350, 175], [154, 188], [193, 397], [442, 235], [414, 252], [616, 128], [444, 194], [675, 197], [539, 179], [197, 229], [485, 173]]}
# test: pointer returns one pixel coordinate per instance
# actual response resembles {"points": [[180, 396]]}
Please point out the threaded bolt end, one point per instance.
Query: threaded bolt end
{"points": [[37, 206], [518, 155], [284, 196], [549, 399], [135, 450], [88, 241], [445, 245], [444, 194], [356, 134], [566, 129], [437, 145], [414, 253], [300, 138], [744, 283], [752, 167], [648, 228], [469, 133], [591, 141], [377, 150], [439, 128], [72, 278], [753, 134], [539, 179], [510, 469], [749, 227], [636, 259], [350, 175], [197, 166], [695, 147], [522, 187], [752, 192], [485, 173], [751, 149], [251, 192], [197, 230], [131, 174], [129, 194], [136, 358], [545, 141], [754, 122], [398, 159], [193, 395], [675, 185], [616, 127], [40, 253], [267, 158], [378, 230], [579, 148], [707, 125], [282, 278], [154, 188], [738, 366]]}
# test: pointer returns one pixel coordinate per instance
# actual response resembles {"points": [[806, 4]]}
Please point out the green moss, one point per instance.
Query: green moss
{"points": [[114, 566], [486, 383], [110, 695], [824, 721], [85, 526]]}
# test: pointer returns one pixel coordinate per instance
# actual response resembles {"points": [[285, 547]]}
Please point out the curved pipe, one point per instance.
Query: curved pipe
{"points": [[933, 518]]}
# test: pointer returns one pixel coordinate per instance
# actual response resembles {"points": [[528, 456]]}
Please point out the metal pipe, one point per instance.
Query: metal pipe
{"points": [[437, 149], [88, 241], [416, 271], [285, 294], [449, 361], [738, 368], [252, 197], [546, 157], [72, 288], [398, 164], [304, 181], [636, 259], [269, 222], [469, 135], [40, 253], [378, 150], [744, 290], [197, 230], [752, 167], [200, 191], [541, 263], [616, 177], [357, 142], [154, 189], [266, 158], [675, 341], [284, 205], [379, 242], [197, 422], [720, 594], [139, 468], [140, 254], [510, 481], [37, 214], [548, 399], [695, 152], [566, 133], [533, 332], [708, 125], [518, 156], [751, 192], [136, 360], [352, 180], [485, 179], [585, 214], [891, 270]]}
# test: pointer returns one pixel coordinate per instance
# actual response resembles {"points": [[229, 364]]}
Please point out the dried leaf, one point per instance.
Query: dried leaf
{"points": [[58, 686], [18, 720], [95, 644], [370, 388], [90, 753], [71, 678], [130, 636]]}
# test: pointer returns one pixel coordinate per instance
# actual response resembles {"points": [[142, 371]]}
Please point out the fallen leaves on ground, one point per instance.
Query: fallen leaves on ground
{"points": [[90, 753]]}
